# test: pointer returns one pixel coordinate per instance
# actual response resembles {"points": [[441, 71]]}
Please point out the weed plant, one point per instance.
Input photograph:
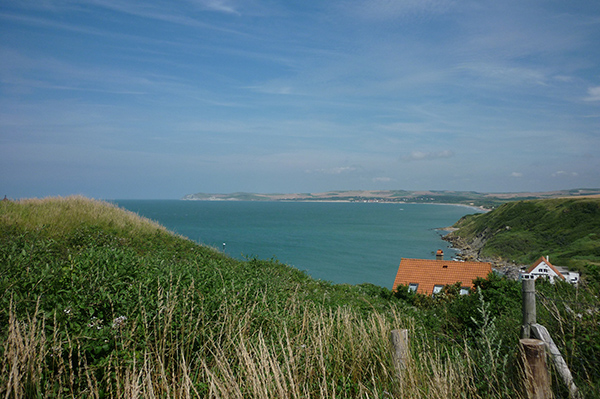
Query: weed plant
{"points": [[573, 317]]}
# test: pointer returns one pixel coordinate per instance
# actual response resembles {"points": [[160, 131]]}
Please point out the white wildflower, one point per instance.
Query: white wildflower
{"points": [[119, 322], [95, 323]]}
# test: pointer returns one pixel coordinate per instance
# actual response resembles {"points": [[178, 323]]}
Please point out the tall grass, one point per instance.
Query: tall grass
{"points": [[327, 354], [48, 215]]}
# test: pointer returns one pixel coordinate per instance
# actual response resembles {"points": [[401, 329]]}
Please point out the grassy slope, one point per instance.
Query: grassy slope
{"points": [[79, 265], [568, 230], [96, 301], [62, 230], [96, 257]]}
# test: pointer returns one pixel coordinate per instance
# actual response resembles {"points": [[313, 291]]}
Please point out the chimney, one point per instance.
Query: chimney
{"points": [[439, 255]]}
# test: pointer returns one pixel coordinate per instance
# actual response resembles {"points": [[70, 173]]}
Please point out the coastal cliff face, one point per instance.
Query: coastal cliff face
{"points": [[517, 233], [471, 250]]}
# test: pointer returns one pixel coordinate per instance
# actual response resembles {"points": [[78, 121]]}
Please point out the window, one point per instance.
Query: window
{"points": [[437, 289], [413, 287], [464, 290]]}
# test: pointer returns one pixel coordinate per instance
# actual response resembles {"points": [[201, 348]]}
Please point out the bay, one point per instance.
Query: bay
{"points": [[342, 242]]}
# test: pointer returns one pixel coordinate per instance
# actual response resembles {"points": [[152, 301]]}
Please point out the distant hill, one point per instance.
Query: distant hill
{"points": [[566, 229], [471, 198]]}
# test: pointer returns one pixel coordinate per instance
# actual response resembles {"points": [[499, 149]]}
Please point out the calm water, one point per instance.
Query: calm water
{"points": [[340, 242]]}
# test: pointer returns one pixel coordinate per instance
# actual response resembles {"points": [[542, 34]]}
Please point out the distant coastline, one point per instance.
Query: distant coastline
{"points": [[480, 201]]}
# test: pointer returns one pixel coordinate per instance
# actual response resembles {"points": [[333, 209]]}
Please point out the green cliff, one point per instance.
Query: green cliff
{"points": [[567, 230]]}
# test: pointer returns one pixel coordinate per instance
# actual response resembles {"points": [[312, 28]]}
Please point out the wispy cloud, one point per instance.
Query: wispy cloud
{"points": [[218, 5], [390, 9], [516, 174], [338, 170], [562, 173], [505, 74], [272, 88], [593, 94], [427, 156], [164, 11]]}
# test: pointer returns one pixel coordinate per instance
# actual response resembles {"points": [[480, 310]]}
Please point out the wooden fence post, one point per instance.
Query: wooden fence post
{"points": [[399, 339], [529, 318], [537, 381], [540, 332]]}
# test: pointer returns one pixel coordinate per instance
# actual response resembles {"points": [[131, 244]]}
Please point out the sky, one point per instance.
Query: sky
{"points": [[120, 99]]}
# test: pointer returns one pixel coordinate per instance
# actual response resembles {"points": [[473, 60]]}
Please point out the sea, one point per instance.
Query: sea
{"points": [[341, 242]]}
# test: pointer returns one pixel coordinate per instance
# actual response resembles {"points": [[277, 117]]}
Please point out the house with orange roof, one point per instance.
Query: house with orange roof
{"points": [[429, 276], [543, 268]]}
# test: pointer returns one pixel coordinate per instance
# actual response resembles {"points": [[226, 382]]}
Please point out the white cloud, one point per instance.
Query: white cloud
{"points": [[420, 155], [272, 88], [516, 174], [593, 94], [334, 171], [562, 173], [505, 73], [219, 5]]}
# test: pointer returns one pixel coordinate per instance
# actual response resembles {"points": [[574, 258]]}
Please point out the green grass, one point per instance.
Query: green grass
{"points": [[99, 302]]}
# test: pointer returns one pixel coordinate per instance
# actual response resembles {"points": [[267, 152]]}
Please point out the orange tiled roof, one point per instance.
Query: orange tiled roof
{"points": [[429, 273], [542, 259]]}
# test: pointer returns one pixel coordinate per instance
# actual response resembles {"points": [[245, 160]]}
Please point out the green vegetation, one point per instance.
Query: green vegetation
{"points": [[567, 230], [98, 302]]}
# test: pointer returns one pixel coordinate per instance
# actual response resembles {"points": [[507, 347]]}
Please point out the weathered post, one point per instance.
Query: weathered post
{"points": [[529, 318], [540, 332], [537, 379], [400, 352]]}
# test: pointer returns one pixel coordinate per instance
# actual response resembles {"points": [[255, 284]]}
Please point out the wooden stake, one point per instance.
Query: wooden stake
{"points": [[540, 332], [537, 381], [401, 352], [529, 316]]}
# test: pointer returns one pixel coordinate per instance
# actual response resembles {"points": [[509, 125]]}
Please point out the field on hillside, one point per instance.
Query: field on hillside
{"points": [[98, 302]]}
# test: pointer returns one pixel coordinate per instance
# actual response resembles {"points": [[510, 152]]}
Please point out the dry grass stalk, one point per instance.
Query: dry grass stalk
{"points": [[24, 354]]}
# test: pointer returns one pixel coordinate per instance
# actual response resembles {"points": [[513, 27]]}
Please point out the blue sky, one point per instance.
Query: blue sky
{"points": [[157, 99]]}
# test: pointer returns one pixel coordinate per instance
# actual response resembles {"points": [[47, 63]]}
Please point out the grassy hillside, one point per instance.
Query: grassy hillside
{"points": [[567, 230], [98, 302]]}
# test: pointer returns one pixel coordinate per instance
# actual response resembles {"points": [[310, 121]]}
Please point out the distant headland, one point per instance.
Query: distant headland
{"points": [[467, 198]]}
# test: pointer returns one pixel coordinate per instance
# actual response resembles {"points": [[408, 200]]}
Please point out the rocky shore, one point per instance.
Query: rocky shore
{"points": [[471, 251]]}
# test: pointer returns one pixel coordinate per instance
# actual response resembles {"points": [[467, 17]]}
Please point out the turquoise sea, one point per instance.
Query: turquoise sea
{"points": [[341, 242]]}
